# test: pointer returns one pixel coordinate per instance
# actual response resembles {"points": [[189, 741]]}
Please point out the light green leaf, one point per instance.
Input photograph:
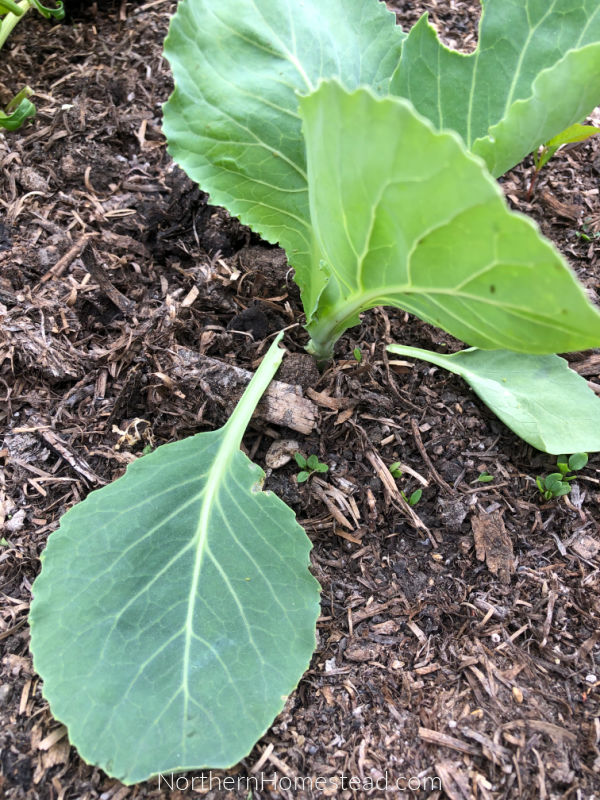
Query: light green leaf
{"points": [[8, 6], [536, 71], [300, 460], [568, 91], [575, 133], [313, 462], [538, 397], [578, 461], [56, 12], [405, 216], [415, 497], [18, 110], [554, 480], [175, 611], [232, 122]]}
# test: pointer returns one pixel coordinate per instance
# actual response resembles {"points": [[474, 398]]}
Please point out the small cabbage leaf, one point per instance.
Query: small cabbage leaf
{"points": [[538, 397], [232, 122], [175, 610], [405, 216], [535, 72], [574, 133]]}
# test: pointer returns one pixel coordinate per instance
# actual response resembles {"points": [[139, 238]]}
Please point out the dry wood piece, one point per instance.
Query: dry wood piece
{"points": [[444, 740], [455, 780], [282, 403], [333, 403], [493, 545], [98, 273], [78, 463], [65, 261], [392, 491], [590, 366], [565, 210], [424, 455]]}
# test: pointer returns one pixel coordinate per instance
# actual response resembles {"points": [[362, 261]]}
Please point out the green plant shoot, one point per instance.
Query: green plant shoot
{"points": [[20, 107], [308, 466], [558, 484]]}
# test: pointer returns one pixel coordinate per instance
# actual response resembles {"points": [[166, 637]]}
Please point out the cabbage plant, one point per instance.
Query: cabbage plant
{"points": [[175, 611]]}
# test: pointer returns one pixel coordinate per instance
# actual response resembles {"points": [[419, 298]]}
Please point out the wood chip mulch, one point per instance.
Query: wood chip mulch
{"points": [[459, 638]]}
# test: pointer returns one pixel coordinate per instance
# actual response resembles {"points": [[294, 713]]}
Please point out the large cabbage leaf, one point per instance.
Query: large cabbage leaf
{"points": [[232, 122], [405, 216], [536, 70], [175, 610], [538, 397]]}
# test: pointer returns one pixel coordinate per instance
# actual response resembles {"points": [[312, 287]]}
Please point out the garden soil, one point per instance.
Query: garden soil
{"points": [[461, 642]]}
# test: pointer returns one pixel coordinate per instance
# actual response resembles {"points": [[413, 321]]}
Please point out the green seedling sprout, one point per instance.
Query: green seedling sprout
{"points": [[558, 484], [20, 107], [18, 110], [308, 467], [485, 477], [574, 133], [414, 497], [397, 473], [357, 354], [395, 469]]}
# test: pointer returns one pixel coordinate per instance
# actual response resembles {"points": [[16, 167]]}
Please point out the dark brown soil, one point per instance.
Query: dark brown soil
{"points": [[471, 653]]}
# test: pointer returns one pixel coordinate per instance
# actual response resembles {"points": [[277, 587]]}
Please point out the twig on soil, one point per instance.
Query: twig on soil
{"points": [[66, 260], [56, 443], [421, 447], [392, 491], [282, 403], [444, 740], [90, 262]]}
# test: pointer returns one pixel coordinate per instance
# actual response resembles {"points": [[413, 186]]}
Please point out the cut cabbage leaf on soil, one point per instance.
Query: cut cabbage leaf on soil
{"points": [[538, 397], [535, 72], [175, 610]]}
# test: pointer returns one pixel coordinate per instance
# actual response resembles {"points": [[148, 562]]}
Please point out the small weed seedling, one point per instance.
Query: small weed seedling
{"points": [[395, 470], [588, 234], [558, 484], [414, 497], [574, 133], [397, 473], [485, 477], [308, 466], [178, 600]]}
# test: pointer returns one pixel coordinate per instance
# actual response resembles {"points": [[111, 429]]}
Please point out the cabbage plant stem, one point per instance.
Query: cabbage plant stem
{"points": [[325, 330]]}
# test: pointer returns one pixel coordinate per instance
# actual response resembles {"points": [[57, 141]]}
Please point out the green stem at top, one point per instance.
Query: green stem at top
{"points": [[9, 6], [10, 20]]}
